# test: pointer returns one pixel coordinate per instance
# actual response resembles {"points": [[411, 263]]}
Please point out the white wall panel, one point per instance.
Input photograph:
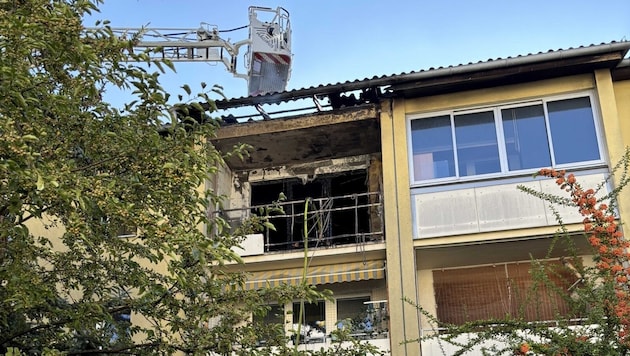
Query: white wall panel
{"points": [[445, 213], [503, 207], [493, 208], [252, 245]]}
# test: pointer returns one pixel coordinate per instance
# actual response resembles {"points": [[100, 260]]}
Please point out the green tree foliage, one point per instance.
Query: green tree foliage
{"points": [[76, 173]]}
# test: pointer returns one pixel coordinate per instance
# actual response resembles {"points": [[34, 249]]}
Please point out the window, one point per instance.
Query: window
{"points": [[314, 314], [494, 292], [127, 230], [270, 326], [476, 141], [508, 138], [362, 318], [313, 321], [520, 123], [275, 315], [354, 310]]}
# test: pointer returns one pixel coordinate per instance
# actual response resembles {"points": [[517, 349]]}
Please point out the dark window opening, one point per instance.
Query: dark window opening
{"points": [[338, 208]]}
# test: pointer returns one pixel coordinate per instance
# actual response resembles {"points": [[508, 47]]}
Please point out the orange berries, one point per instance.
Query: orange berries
{"points": [[524, 348]]}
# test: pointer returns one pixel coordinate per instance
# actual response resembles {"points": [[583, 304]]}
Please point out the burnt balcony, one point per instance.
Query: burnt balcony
{"points": [[318, 222]]}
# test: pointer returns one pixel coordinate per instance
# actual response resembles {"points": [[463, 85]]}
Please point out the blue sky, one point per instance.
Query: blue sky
{"points": [[341, 40]]}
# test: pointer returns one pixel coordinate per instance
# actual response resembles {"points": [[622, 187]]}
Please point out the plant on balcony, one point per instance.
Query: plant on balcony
{"points": [[595, 318]]}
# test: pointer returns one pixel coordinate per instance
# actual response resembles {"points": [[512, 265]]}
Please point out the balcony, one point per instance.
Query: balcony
{"points": [[326, 222], [492, 205], [358, 317]]}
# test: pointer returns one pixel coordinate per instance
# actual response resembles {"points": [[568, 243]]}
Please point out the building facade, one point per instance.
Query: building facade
{"points": [[405, 186]]}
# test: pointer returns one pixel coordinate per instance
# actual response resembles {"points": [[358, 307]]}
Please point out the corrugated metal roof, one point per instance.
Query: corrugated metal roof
{"points": [[385, 81]]}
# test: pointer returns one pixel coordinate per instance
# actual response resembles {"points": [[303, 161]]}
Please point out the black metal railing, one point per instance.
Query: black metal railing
{"points": [[318, 222]]}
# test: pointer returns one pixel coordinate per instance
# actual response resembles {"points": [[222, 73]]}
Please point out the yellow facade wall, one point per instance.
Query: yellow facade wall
{"points": [[497, 95], [615, 119], [622, 99], [614, 122], [404, 322]]}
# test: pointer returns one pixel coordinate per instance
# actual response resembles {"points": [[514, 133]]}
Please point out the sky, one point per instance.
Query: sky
{"points": [[344, 40]]}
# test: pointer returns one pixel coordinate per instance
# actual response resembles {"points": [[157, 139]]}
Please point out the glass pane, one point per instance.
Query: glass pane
{"points": [[314, 314], [354, 309], [275, 315], [313, 321], [477, 148], [525, 137], [573, 130], [432, 144]]}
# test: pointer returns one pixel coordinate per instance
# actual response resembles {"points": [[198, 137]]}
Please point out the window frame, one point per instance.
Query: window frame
{"points": [[496, 109]]}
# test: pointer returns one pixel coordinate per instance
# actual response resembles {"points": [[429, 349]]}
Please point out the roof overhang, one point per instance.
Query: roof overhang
{"points": [[622, 71], [511, 70], [349, 130]]}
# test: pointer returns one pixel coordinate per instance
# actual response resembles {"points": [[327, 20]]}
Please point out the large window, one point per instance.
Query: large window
{"points": [[501, 290], [502, 139]]}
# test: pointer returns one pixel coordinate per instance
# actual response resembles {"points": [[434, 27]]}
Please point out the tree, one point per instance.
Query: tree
{"points": [[596, 320], [106, 244], [75, 172]]}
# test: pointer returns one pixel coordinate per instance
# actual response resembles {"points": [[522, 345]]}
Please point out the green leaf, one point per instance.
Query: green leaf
{"points": [[30, 138], [269, 226], [186, 89], [40, 182], [197, 106]]}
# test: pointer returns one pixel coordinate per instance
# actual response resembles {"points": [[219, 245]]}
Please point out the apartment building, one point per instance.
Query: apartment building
{"points": [[404, 186]]}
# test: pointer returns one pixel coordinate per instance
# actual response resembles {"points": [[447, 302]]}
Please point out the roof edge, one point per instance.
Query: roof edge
{"points": [[385, 81]]}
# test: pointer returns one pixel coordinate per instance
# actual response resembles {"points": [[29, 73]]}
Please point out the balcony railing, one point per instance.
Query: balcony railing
{"points": [[329, 221]]}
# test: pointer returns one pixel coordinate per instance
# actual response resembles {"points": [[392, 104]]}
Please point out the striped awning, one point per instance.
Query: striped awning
{"points": [[337, 273]]}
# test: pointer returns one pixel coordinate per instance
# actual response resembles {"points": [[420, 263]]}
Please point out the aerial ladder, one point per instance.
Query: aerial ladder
{"points": [[267, 59]]}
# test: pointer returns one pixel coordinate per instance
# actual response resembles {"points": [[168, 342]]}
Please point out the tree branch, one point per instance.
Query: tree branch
{"points": [[95, 164], [121, 350]]}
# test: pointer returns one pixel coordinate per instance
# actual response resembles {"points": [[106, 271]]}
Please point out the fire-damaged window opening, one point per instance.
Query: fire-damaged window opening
{"points": [[339, 209]]}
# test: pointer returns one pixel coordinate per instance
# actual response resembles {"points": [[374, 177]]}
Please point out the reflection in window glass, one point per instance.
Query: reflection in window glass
{"points": [[432, 143], [525, 137], [573, 130], [534, 135], [476, 140]]}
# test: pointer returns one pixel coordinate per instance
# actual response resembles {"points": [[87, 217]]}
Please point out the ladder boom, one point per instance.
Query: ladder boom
{"points": [[182, 45], [267, 61]]}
